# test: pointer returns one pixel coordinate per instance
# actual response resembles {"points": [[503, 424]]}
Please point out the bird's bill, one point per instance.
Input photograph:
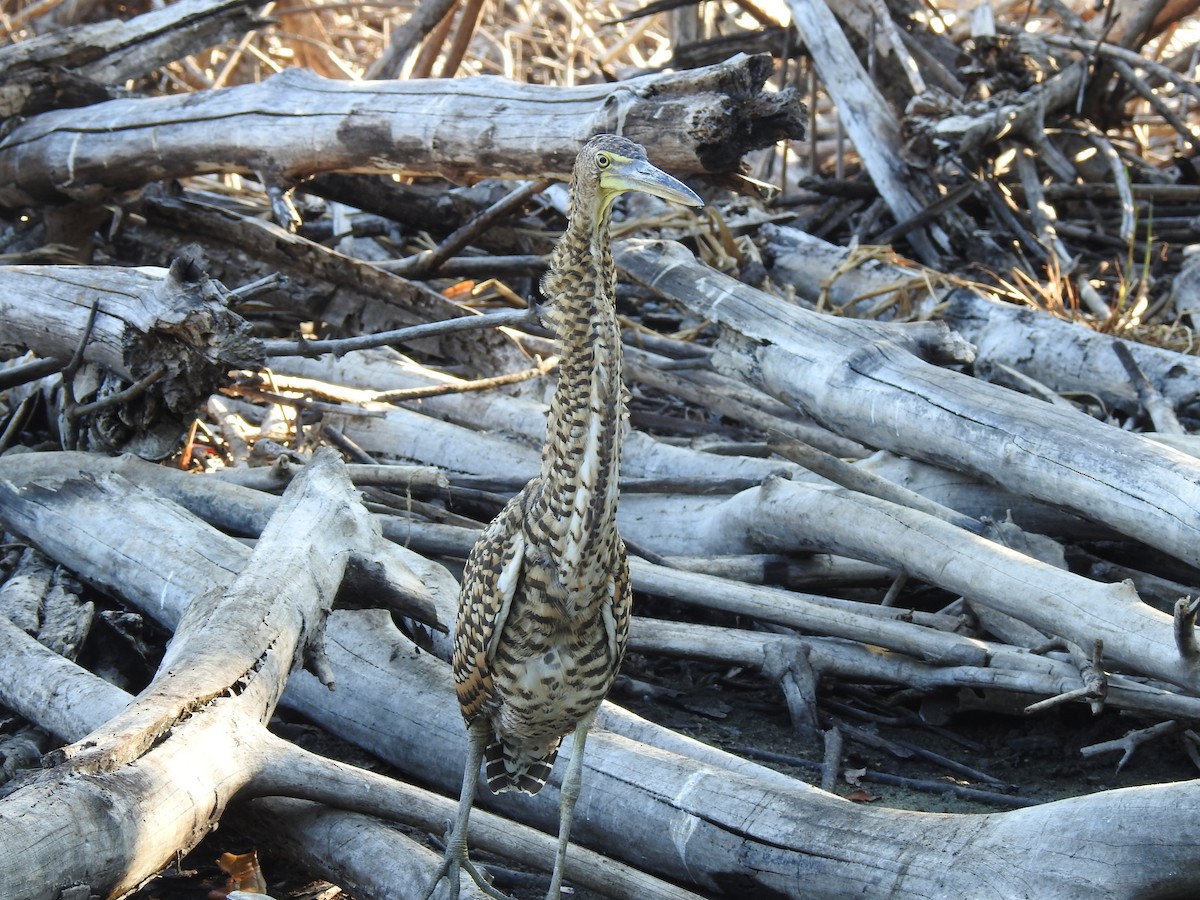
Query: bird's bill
{"points": [[639, 175]]}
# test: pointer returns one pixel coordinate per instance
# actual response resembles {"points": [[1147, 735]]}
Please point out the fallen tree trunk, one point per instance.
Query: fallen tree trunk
{"points": [[81, 65], [713, 820], [169, 329], [297, 124], [846, 375], [157, 776], [1064, 356]]}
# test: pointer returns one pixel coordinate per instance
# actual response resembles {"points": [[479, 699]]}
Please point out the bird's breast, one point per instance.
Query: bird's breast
{"points": [[549, 673]]}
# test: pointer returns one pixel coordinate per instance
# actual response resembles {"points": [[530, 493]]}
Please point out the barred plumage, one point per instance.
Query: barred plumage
{"points": [[544, 609]]}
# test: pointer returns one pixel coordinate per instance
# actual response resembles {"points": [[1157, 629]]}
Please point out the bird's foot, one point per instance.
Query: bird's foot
{"points": [[453, 862]]}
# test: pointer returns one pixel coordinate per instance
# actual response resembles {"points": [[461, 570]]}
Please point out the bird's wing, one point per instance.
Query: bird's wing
{"points": [[490, 580], [622, 606]]}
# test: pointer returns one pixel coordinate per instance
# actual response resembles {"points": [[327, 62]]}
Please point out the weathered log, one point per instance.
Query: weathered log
{"points": [[833, 657], [473, 437], [77, 66], [1066, 357], [228, 664], [170, 328], [1051, 599], [879, 393], [70, 702], [687, 817], [869, 120], [174, 563], [297, 124]]}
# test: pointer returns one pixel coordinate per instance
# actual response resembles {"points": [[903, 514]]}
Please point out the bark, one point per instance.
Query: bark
{"points": [[297, 124]]}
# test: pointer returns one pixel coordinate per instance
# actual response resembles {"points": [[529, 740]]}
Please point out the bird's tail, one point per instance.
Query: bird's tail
{"points": [[518, 768]]}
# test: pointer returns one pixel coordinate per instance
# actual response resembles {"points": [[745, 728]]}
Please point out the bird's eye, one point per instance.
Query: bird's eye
{"points": [[602, 160]]}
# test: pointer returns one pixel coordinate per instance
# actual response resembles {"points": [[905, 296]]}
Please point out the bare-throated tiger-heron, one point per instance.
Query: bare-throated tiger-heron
{"points": [[543, 612]]}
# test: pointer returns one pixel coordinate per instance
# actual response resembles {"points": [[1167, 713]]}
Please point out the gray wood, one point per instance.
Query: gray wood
{"points": [[296, 124], [878, 392]]}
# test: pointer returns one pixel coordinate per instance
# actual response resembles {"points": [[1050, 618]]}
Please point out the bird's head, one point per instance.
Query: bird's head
{"points": [[609, 165]]}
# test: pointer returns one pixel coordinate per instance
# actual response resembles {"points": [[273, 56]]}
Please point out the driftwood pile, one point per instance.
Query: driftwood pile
{"points": [[844, 468]]}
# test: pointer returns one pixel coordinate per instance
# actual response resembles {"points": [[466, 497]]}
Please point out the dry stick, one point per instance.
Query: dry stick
{"points": [[425, 17], [865, 482], [1150, 96], [1130, 742], [399, 395], [1105, 190], [467, 23], [901, 748], [1040, 211], [1137, 21], [1091, 670], [1116, 53], [424, 264], [27, 372], [845, 661], [1156, 406], [916, 784], [299, 403], [432, 46], [1120, 180], [72, 369], [831, 762], [342, 346], [930, 213], [135, 390], [1026, 384], [489, 266]]}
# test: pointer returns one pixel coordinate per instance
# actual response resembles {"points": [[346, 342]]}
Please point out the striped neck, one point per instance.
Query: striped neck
{"points": [[582, 453]]}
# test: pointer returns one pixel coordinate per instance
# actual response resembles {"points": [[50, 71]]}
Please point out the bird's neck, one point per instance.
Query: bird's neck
{"points": [[582, 453]]}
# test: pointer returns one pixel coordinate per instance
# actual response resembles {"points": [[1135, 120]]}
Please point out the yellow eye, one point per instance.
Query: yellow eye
{"points": [[602, 160]]}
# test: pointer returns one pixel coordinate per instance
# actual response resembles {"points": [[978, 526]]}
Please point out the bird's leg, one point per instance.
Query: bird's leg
{"points": [[567, 796], [455, 857]]}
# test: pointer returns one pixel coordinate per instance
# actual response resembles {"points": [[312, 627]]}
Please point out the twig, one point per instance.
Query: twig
{"points": [[856, 479], [347, 446], [789, 665], [273, 282], [1156, 406], [468, 21], [907, 748], [917, 784], [1039, 209], [303, 402], [132, 392], [1091, 672], [1130, 742], [1120, 176], [342, 346], [1114, 52], [459, 387], [424, 264], [424, 18], [893, 591], [29, 371], [831, 763]]}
